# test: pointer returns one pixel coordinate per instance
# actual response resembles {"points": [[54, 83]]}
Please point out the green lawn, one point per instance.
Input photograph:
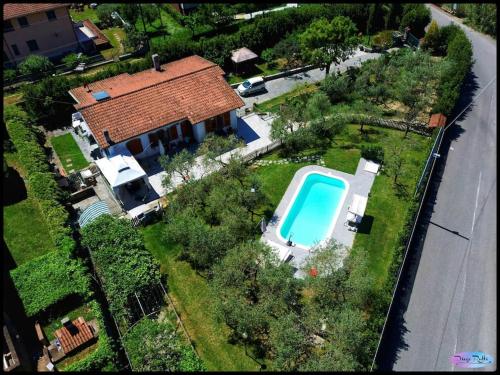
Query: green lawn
{"points": [[170, 24], [87, 13], [25, 231], [117, 43], [385, 210], [192, 299], [68, 152], [260, 70], [273, 105]]}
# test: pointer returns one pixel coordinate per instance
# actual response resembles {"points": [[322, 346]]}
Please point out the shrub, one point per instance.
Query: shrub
{"points": [[268, 55], [72, 59], [416, 17], [43, 186], [154, 346], [337, 87], [30, 153], [120, 259], [383, 40], [373, 152], [9, 75], [49, 279], [35, 65], [104, 11]]}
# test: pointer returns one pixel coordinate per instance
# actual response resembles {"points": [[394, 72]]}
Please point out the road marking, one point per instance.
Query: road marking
{"points": [[475, 208]]}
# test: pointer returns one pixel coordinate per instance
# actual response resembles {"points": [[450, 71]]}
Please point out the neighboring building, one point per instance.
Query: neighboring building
{"points": [[37, 28], [153, 112]]}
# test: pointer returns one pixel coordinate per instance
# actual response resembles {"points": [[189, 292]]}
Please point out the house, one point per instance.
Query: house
{"points": [[37, 28], [135, 117]]}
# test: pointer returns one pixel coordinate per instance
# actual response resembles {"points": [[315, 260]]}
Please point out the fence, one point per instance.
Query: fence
{"points": [[262, 151], [416, 127], [424, 177]]}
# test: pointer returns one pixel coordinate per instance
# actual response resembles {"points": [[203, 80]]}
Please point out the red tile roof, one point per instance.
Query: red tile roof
{"points": [[101, 38], [437, 120], [191, 88], [70, 342], [12, 10]]}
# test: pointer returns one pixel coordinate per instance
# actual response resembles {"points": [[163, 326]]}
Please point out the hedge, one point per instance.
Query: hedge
{"points": [[41, 184], [120, 259], [104, 357], [459, 57], [50, 279]]}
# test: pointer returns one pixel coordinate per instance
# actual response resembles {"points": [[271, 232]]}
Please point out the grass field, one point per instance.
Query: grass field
{"points": [[273, 105], [87, 13], [192, 299], [385, 210], [68, 152], [117, 43]]}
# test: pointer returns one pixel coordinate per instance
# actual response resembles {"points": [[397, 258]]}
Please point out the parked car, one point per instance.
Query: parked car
{"points": [[251, 85]]}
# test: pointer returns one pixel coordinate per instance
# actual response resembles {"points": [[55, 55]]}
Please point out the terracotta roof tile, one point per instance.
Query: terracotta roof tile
{"points": [[437, 120], [191, 88], [70, 342], [12, 10], [101, 38]]}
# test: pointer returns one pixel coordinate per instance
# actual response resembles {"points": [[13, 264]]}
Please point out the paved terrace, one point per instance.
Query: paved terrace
{"points": [[359, 183]]}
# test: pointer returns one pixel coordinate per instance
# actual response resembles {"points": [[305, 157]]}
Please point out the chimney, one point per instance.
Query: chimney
{"points": [[156, 62], [86, 87], [108, 138]]}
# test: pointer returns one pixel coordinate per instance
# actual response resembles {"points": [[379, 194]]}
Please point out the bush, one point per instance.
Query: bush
{"points": [[337, 87], [49, 279], [373, 152], [458, 60], [383, 40], [416, 17], [268, 55], [104, 11], [120, 259], [483, 17], [155, 346], [36, 66], [30, 153], [72, 59], [8, 76]]}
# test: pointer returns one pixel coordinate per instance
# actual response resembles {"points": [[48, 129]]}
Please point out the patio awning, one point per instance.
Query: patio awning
{"points": [[243, 54], [92, 212], [358, 205], [120, 169]]}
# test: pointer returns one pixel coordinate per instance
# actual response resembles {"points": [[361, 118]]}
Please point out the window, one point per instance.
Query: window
{"points": [[51, 15], [7, 26], [134, 146], [210, 125], [15, 49], [172, 133], [32, 45], [23, 22]]}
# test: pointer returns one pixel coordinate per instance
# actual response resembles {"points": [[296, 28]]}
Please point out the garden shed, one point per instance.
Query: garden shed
{"points": [[243, 59]]}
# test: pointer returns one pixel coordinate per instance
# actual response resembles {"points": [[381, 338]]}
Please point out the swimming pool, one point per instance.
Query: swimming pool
{"points": [[313, 212]]}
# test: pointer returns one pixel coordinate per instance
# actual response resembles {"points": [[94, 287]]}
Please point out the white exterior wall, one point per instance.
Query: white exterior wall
{"points": [[199, 131], [121, 148], [234, 120]]}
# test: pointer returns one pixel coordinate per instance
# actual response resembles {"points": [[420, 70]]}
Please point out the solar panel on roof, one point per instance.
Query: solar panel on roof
{"points": [[101, 95]]}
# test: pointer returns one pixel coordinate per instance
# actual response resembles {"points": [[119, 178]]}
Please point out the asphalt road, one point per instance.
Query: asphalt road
{"points": [[447, 300], [283, 85]]}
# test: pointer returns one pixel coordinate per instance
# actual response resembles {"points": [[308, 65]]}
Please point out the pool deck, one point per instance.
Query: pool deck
{"points": [[359, 183]]}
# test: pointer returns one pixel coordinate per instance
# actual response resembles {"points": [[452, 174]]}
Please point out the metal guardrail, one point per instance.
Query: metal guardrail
{"points": [[426, 173]]}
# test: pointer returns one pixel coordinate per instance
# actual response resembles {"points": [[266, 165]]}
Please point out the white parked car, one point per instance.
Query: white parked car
{"points": [[251, 86]]}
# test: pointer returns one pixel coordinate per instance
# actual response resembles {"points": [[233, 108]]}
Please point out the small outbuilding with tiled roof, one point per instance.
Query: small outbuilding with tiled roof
{"points": [[437, 120]]}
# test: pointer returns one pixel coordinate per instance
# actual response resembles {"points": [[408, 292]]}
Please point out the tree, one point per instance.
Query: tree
{"points": [[290, 341], [73, 60], [36, 65], [337, 87], [180, 163], [432, 38], [373, 81], [213, 146], [216, 15], [395, 162], [416, 17], [321, 124], [290, 119], [193, 20], [154, 346], [135, 39], [414, 86], [331, 42], [289, 49], [104, 11]]}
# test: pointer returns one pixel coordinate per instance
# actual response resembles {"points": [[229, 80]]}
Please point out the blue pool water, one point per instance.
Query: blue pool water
{"points": [[313, 211]]}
